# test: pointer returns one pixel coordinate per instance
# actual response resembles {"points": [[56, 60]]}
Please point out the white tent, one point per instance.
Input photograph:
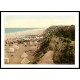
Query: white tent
{"points": [[31, 43], [25, 61], [24, 55], [33, 48], [16, 47], [11, 50]]}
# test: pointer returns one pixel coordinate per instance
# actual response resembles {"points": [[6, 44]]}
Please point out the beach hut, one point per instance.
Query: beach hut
{"points": [[31, 43], [25, 61], [33, 48], [16, 47], [6, 60], [11, 50], [35, 42], [25, 44], [24, 55]]}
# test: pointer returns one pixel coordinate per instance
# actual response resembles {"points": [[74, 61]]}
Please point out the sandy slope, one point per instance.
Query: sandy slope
{"points": [[47, 58]]}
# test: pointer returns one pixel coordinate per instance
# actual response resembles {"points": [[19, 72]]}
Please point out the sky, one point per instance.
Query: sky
{"points": [[37, 21]]}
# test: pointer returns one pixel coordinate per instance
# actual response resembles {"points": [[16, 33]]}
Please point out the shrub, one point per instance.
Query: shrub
{"points": [[64, 55]]}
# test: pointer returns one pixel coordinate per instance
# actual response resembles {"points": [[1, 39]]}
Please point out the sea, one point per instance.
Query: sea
{"points": [[12, 30]]}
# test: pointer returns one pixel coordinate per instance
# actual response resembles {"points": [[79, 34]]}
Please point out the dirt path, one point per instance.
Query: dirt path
{"points": [[47, 58]]}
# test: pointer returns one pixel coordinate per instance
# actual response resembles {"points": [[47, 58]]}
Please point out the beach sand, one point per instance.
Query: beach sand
{"points": [[27, 32], [16, 57]]}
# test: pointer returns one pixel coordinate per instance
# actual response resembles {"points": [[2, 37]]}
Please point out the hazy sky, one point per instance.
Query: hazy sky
{"points": [[22, 21]]}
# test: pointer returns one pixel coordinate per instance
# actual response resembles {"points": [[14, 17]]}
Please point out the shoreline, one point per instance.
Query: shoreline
{"points": [[23, 33]]}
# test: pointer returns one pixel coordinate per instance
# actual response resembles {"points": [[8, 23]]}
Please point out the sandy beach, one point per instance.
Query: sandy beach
{"points": [[27, 32], [15, 56]]}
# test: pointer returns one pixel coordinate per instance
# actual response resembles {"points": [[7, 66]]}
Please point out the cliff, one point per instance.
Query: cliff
{"points": [[61, 41]]}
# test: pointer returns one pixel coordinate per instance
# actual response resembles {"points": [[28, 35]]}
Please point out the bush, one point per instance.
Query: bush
{"points": [[58, 39], [66, 55]]}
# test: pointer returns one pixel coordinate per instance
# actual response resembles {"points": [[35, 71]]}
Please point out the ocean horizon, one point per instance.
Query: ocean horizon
{"points": [[12, 30]]}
